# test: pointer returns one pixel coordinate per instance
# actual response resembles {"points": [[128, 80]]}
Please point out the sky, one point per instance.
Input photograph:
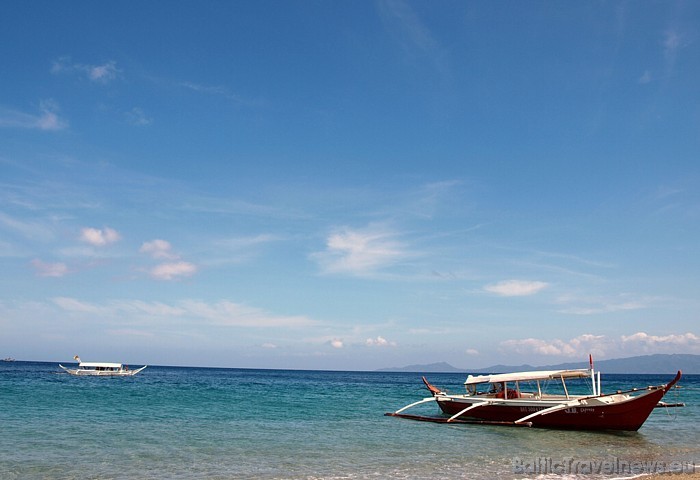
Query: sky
{"points": [[349, 185]]}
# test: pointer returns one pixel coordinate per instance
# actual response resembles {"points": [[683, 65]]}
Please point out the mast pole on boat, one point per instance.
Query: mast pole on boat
{"points": [[590, 362]]}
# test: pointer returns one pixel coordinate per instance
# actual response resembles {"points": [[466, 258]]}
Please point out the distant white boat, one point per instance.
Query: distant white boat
{"points": [[101, 369]]}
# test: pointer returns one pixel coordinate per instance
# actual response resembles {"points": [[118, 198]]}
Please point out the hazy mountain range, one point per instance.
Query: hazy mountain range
{"points": [[659, 363]]}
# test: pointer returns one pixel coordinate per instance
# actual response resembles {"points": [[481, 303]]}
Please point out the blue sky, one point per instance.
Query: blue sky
{"points": [[349, 185]]}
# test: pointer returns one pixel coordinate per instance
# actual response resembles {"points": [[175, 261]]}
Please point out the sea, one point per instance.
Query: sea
{"points": [[219, 423]]}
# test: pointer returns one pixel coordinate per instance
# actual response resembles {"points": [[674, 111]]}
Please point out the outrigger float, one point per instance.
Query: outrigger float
{"points": [[503, 399]]}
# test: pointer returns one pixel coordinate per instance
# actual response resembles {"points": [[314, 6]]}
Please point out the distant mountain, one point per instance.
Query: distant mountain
{"points": [[659, 363]]}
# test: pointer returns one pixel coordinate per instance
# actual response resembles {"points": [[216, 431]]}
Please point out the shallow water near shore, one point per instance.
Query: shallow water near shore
{"points": [[176, 422]]}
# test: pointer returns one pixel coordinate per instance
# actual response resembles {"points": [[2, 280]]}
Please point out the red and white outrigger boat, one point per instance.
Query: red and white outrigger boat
{"points": [[503, 399]]}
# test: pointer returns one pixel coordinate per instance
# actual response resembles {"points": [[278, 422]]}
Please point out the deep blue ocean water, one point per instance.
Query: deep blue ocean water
{"points": [[206, 423]]}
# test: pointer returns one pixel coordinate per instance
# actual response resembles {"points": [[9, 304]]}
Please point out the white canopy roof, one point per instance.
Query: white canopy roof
{"points": [[522, 376], [97, 364]]}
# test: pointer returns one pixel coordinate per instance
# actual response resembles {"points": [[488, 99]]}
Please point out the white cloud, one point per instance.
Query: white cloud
{"points": [[270, 346], [472, 351], [97, 237], [158, 249], [379, 342], [359, 252], [336, 343], [49, 269], [47, 119], [173, 270], [602, 346], [575, 347], [516, 288], [644, 338]]}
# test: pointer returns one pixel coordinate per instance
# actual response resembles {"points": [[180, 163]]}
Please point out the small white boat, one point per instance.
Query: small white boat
{"points": [[101, 369]]}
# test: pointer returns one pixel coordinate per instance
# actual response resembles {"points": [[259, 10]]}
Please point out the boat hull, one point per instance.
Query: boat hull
{"points": [[88, 372], [628, 415], [83, 373]]}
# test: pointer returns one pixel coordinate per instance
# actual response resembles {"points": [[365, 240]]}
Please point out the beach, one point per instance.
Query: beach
{"points": [[682, 475]]}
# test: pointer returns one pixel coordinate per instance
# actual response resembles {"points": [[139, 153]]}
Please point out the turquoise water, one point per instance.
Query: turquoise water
{"points": [[183, 423]]}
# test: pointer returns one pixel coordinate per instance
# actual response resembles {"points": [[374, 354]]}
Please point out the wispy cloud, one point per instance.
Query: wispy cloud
{"points": [[230, 314], [516, 288], [194, 312], [101, 73], [240, 249], [645, 77], [650, 341], [574, 305], [27, 229], [360, 252], [74, 305], [407, 26], [47, 119], [671, 42], [411, 33], [220, 91], [136, 116], [49, 269]]}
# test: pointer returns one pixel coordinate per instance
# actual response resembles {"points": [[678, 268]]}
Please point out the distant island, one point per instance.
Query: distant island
{"points": [[658, 363]]}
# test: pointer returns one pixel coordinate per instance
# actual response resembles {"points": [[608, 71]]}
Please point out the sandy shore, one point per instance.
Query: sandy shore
{"points": [[679, 475]]}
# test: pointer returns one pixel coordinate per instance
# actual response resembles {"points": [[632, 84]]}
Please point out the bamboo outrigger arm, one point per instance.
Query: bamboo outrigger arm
{"points": [[470, 407], [545, 411], [425, 400]]}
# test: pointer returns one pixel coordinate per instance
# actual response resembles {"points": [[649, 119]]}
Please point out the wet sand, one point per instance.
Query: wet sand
{"points": [[680, 475]]}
